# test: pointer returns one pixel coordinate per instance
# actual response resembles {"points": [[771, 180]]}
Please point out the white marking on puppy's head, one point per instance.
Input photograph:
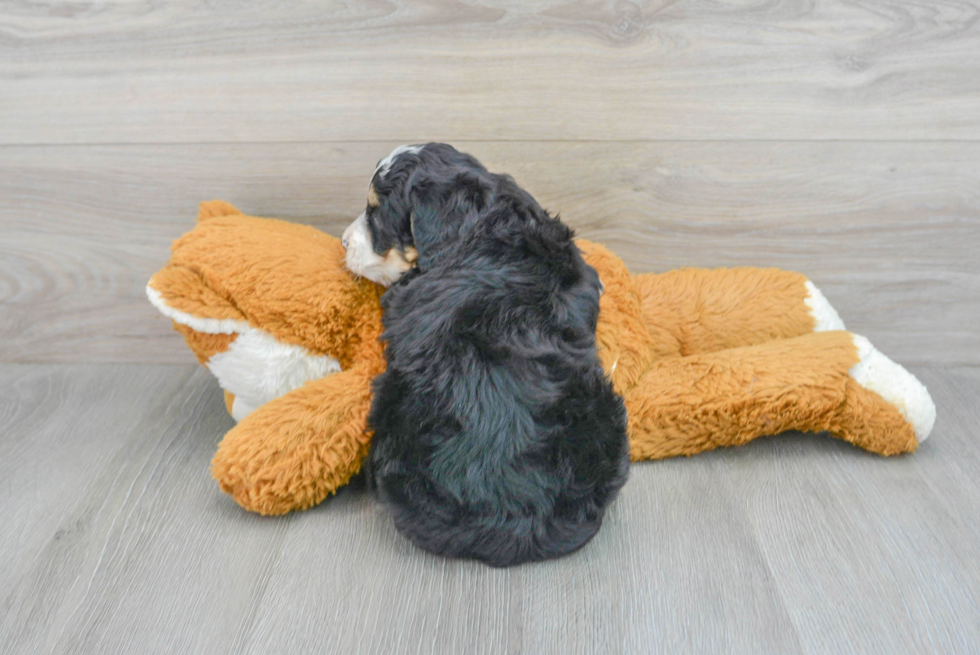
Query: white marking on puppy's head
{"points": [[385, 164]]}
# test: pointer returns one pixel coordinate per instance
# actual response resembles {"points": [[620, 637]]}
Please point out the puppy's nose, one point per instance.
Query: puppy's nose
{"points": [[345, 238], [343, 241]]}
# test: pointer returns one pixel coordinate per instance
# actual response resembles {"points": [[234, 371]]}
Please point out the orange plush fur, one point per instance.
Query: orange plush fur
{"points": [[703, 358]]}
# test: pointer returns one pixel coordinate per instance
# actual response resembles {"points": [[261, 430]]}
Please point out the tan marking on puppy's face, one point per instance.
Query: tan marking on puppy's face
{"points": [[362, 260], [397, 263], [372, 197]]}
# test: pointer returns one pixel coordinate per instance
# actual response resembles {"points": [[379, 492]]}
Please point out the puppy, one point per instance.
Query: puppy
{"points": [[497, 435]]}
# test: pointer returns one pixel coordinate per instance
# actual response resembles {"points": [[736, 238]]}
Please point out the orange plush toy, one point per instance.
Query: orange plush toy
{"points": [[703, 358]]}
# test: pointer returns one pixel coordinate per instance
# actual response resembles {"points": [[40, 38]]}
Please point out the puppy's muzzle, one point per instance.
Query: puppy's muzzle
{"points": [[345, 238]]}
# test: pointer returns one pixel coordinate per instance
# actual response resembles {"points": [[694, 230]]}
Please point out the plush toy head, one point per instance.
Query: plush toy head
{"points": [[266, 305], [270, 309], [703, 358]]}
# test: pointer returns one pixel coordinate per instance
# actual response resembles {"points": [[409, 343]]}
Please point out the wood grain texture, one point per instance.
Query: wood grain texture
{"points": [[890, 232], [841, 139], [60, 425], [119, 542], [875, 555], [115, 539], [195, 71], [657, 573]]}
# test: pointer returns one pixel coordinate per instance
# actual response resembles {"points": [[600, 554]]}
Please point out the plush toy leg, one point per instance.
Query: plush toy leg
{"points": [[826, 381], [696, 310], [294, 451]]}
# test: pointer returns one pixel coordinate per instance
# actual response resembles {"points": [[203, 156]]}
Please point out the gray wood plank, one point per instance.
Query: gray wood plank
{"points": [[674, 569], [54, 419], [115, 539], [957, 390], [889, 231], [835, 138], [875, 555], [194, 71], [146, 555], [115, 535]]}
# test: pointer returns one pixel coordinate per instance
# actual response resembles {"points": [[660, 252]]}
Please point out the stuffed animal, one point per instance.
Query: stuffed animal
{"points": [[702, 358]]}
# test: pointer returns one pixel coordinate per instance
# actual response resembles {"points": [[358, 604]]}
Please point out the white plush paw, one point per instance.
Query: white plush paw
{"points": [[892, 382], [240, 409], [825, 317], [258, 368]]}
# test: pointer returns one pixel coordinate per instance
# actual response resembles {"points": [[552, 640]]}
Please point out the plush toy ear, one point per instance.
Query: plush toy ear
{"points": [[426, 238], [215, 208]]}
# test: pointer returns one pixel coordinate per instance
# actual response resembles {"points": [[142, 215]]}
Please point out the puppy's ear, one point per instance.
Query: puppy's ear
{"points": [[428, 234], [444, 210]]}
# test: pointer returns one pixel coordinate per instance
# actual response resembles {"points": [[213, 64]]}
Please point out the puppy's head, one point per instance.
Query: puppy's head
{"points": [[421, 198]]}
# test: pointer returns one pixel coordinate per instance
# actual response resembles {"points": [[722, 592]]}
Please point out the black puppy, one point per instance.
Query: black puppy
{"points": [[497, 435]]}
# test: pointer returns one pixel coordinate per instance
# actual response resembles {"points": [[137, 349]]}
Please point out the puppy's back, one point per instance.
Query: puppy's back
{"points": [[497, 435], [505, 497]]}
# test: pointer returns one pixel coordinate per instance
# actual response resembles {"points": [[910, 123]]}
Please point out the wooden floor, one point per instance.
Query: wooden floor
{"points": [[841, 139]]}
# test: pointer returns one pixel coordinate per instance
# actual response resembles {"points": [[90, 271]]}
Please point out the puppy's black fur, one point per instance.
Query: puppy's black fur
{"points": [[497, 435]]}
